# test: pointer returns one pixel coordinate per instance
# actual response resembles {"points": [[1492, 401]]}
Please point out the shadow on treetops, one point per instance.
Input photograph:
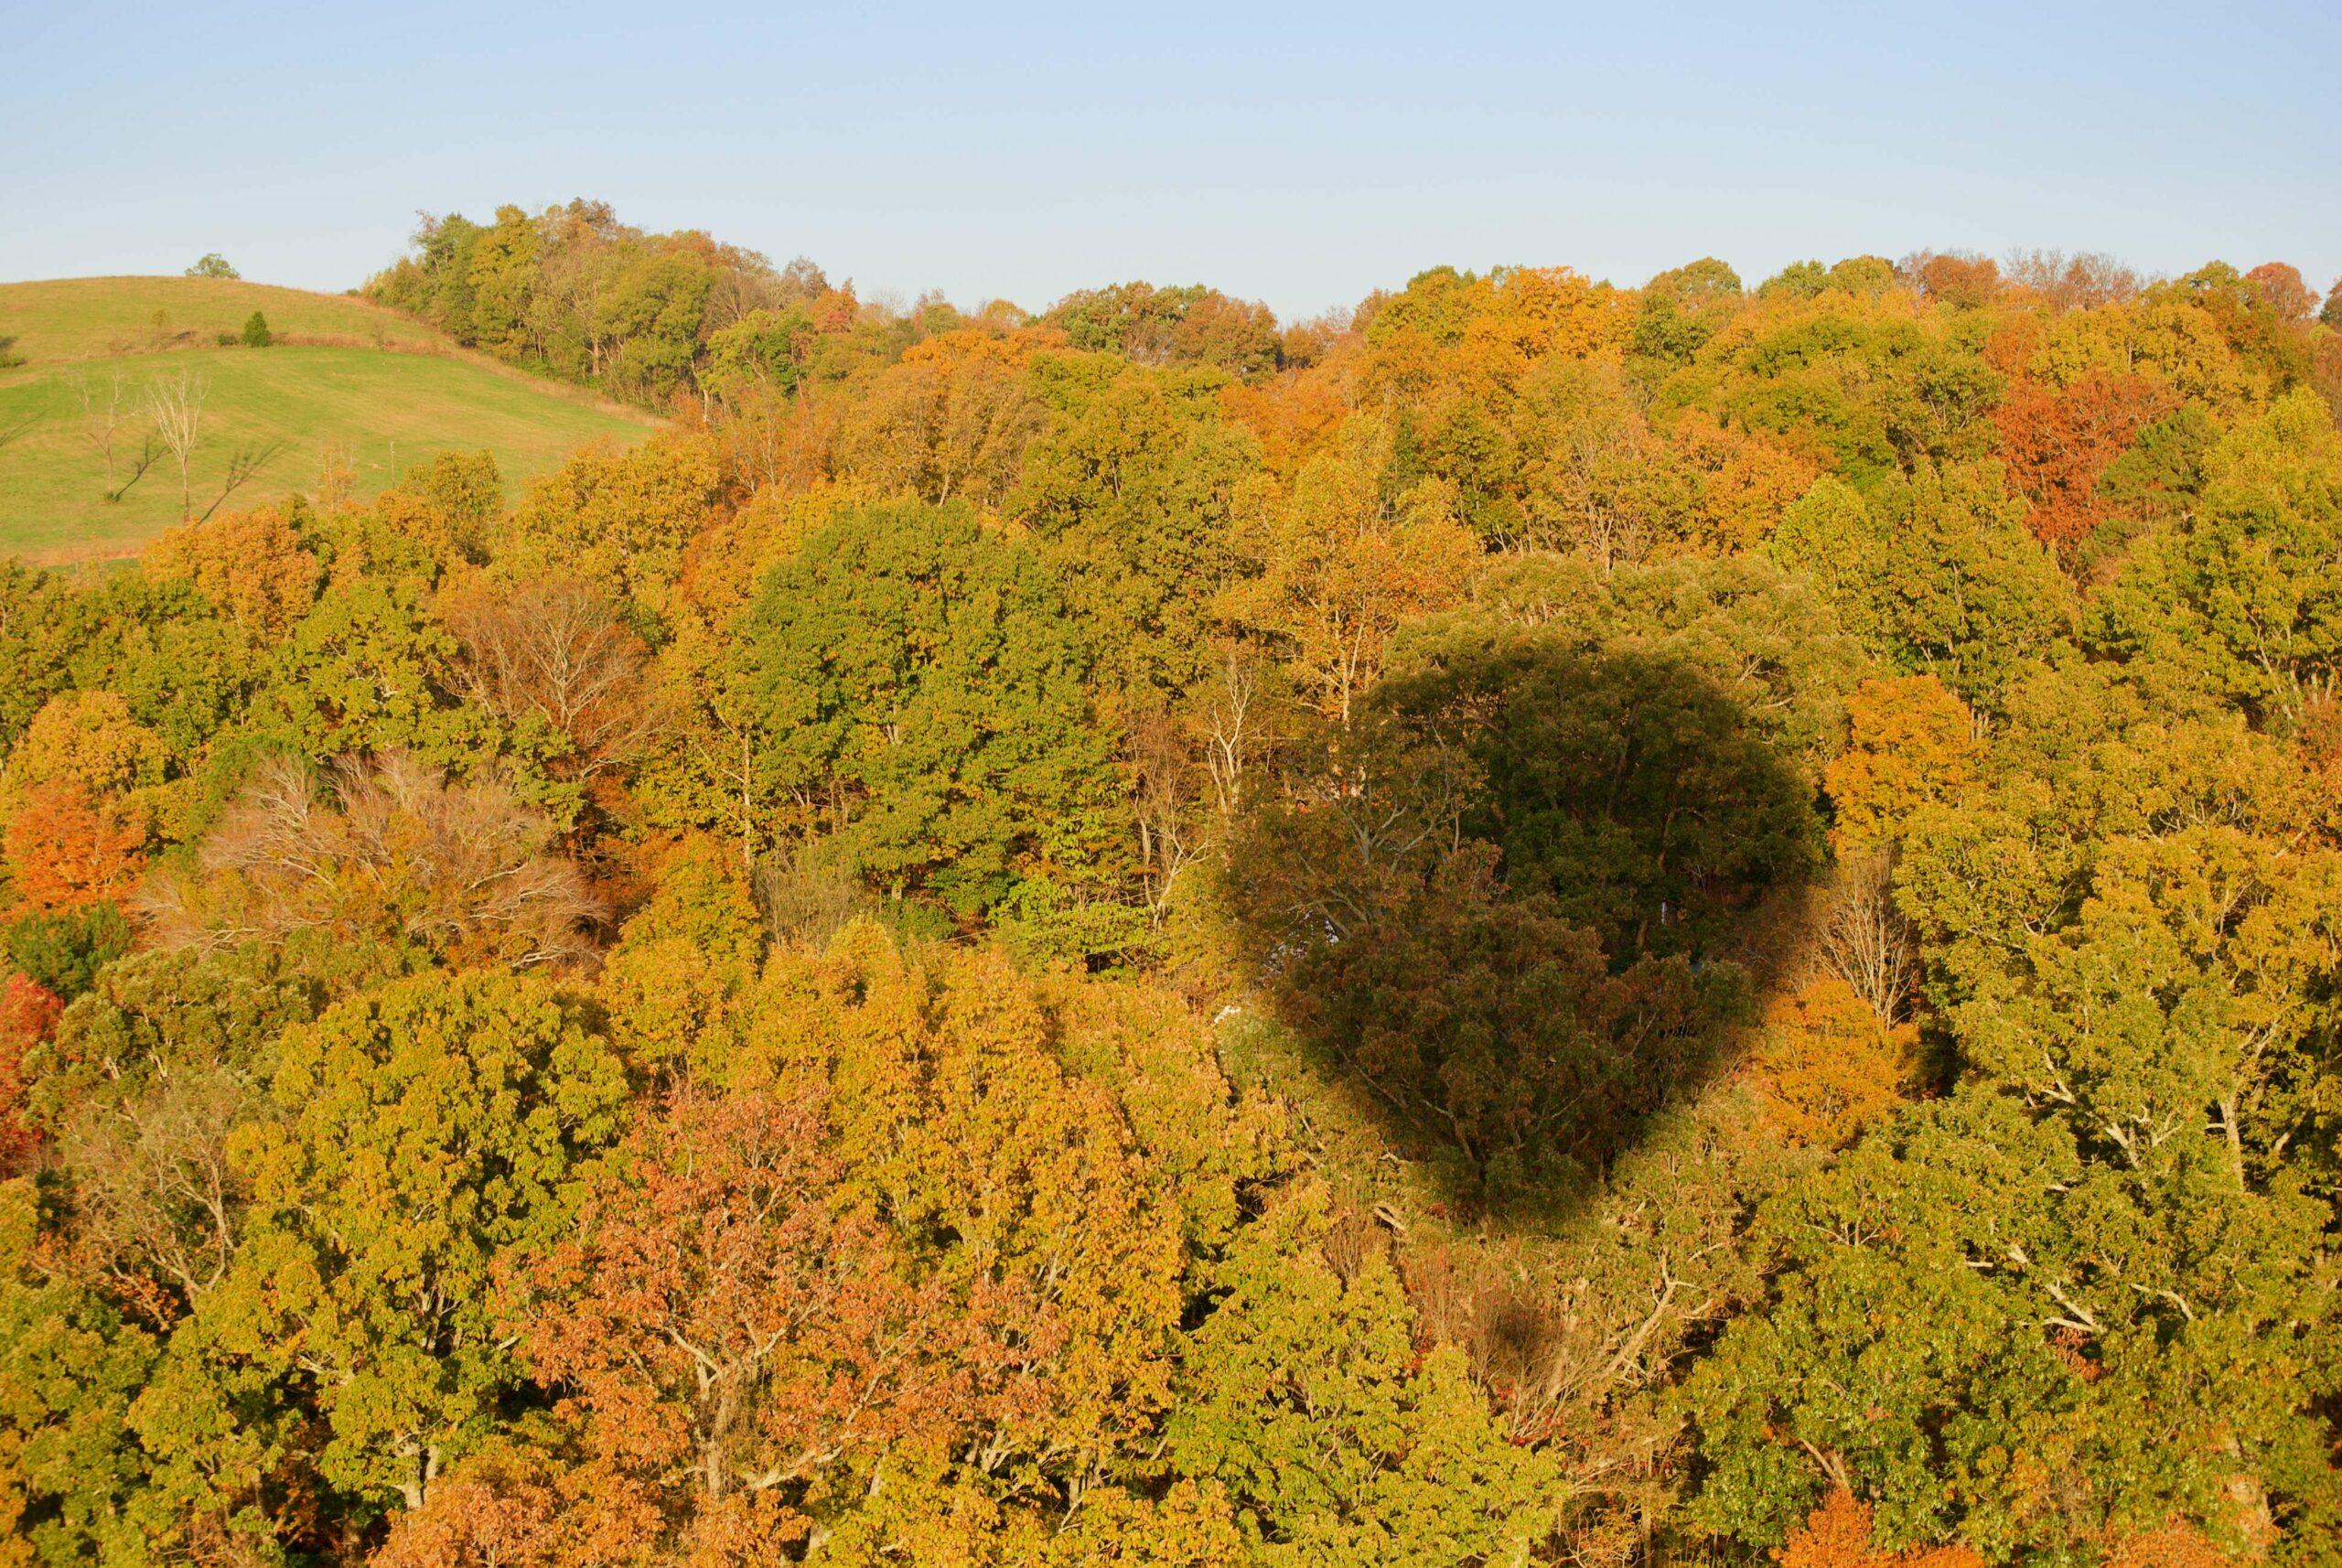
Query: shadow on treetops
{"points": [[1518, 905]]}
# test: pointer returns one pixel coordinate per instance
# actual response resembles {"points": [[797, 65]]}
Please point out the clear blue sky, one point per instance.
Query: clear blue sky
{"points": [[1302, 156]]}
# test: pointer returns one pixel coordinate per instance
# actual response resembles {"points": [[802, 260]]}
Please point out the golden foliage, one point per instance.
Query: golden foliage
{"points": [[1913, 743], [1825, 1067], [85, 742], [250, 563]]}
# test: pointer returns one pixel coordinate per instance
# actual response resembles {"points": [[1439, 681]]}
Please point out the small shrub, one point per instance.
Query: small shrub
{"points": [[256, 332]]}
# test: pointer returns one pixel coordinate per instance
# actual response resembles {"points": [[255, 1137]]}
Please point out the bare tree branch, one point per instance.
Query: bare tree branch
{"points": [[177, 410], [556, 650], [100, 428], [393, 850], [1865, 942]]}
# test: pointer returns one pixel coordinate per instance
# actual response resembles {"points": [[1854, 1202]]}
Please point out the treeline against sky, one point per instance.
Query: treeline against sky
{"points": [[1535, 923]]}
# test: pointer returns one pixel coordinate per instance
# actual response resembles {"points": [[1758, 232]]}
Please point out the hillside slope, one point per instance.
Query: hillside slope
{"points": [[348, 384]]}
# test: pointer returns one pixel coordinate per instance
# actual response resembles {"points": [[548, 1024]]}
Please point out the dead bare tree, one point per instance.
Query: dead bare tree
{"points": [[393, 850], [725, 743], [806, 894], [1864, 938], [1163, 801], [336, 473], [242, 463], [178, 411], [100, 428], [2072, 283], [156, 1193], [555, 650], [1232, 730]]}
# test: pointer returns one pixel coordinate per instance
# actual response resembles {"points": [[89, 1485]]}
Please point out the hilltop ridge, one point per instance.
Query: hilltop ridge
{"points": [[346, 384]]}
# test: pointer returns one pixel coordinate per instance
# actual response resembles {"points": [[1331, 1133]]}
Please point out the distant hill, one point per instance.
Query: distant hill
{"points": [[346, 382]]}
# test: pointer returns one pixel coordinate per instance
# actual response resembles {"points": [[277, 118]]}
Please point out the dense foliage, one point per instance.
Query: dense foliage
{"points": [[1539, 923]]}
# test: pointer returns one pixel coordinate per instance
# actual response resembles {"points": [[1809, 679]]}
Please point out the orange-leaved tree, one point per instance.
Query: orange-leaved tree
{"points": [[251, 563], [1826, 1066], [66, 851], [1838, 1535]]}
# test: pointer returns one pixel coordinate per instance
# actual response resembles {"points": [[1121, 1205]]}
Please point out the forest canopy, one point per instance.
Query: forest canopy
{"points": [[1538, 922]]}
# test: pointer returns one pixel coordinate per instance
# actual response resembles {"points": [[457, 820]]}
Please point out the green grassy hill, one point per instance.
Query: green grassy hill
{"points": [[346, 381]]}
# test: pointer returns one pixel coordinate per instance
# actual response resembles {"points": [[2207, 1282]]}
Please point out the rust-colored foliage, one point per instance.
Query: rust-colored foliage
{"points": [[1964, 283], [478, 1516], [731, 1326], [2168, 1546], [1838, 1535], [2058, 441], [523, 1509], [2283, 290]]}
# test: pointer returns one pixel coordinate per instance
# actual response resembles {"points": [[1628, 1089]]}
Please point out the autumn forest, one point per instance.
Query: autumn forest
{"points": [[1539, 922]]}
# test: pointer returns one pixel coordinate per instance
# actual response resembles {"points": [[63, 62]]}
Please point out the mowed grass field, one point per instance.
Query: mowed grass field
{"points": [[68, 318], [366, 387]]}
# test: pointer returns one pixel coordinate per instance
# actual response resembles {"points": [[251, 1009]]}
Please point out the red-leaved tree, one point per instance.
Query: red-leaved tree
{"points": [[27, 1014], [2058, 441]]}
